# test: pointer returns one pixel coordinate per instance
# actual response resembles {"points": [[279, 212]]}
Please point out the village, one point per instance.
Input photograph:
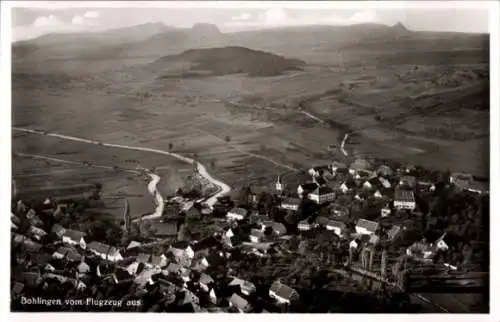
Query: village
{"points": [[380, 228]]}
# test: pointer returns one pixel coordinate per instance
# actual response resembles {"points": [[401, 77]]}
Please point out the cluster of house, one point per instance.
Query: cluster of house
{"points": [[184, 262]]}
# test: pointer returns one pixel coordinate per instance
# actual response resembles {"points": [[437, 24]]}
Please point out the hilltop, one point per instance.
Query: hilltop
{"points": [[227, 60]]}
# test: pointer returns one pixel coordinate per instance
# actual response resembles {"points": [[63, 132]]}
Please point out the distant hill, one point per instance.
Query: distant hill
{"points": [[225, 61], [314, 44]]}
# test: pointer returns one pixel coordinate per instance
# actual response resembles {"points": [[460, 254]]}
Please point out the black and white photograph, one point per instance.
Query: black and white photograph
{"points": [[244, 157]]}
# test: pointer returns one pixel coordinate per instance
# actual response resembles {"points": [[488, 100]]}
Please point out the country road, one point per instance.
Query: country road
{"points": [[346, 136], [223, 187]]}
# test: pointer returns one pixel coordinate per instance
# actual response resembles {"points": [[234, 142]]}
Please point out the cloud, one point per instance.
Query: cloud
{"points": [[50, 21], [43, 25], [243, 16], [82, 21], [277, 17], [92, 14]]}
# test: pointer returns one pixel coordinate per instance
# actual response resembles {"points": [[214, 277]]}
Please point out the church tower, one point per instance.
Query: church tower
{"points": [[279, 185]]}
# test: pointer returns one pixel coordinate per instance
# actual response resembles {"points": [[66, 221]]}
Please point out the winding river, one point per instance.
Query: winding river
{"points": [[222, 190]]}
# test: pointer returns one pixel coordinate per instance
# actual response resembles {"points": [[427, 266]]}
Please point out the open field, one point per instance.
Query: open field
{"points": [[252, 127], [113, 168]]}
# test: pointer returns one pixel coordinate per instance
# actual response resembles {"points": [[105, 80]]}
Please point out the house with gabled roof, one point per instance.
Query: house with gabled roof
{"points": [[282, 293], [67, 253], [445, 241], [394, 232], [290, 204], [104, 251], [385, 171], [246, 287], [36, 233], [143, 258], [478, 187], [205, 281], [256, 235], [74, 237], [337, 227], [58, 230], [306, 188], [404, 199], [158, 261], [202, 247], [366, 227], [461, 180], [372, 184], [322, 195], [182, 251], [386, 184], [335, 165], [278, 228], [239, 303], [359, 165], [408, 181], [134, 244], [347, 186], [385, 211], [305, 225], [173, 268], [237, 214], [83, 268]]}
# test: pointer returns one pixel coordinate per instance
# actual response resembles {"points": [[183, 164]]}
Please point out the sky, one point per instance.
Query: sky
{"points": [[32, 22]]}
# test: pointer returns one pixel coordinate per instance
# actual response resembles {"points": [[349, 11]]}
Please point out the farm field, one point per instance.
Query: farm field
{"points": [[33, 176], [250, 129]]}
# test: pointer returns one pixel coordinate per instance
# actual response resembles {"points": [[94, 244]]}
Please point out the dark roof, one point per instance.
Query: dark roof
{"points": [[121, 274], [350, 184], [367, 224], [310, 186], [323, 190], [205, 243], [283, 290], [74, 234], [320, 180], [180, 245], [291, 201], [449, 239]]}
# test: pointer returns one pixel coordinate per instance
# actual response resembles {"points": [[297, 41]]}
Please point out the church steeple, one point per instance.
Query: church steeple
{"points": [[279, 184]]}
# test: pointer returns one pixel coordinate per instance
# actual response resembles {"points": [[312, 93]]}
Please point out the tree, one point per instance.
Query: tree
{"points": [[227, 139], [170, 147]]}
